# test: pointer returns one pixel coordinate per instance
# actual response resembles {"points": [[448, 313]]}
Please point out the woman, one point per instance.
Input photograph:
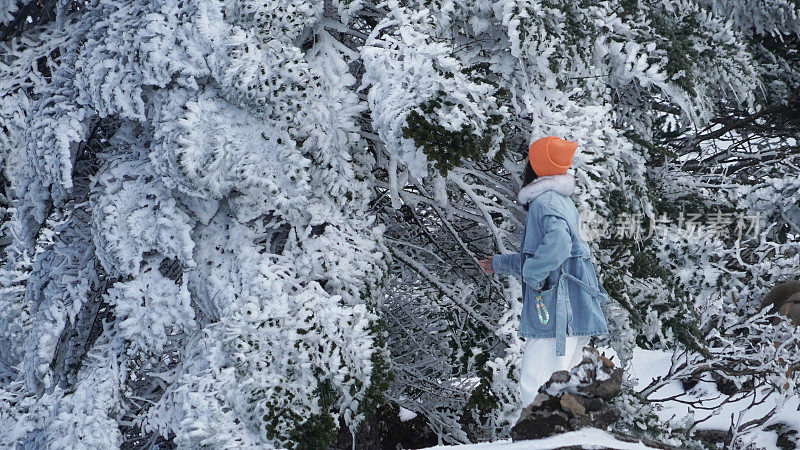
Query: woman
{"points": [[560, 294]]}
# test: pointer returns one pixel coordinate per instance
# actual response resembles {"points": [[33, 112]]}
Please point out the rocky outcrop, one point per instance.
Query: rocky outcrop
{"points": [[384, 429], [573, 400]]}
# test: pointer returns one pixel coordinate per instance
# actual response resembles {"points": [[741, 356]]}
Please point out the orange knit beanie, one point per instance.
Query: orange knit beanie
{"points": [[551, 155]]}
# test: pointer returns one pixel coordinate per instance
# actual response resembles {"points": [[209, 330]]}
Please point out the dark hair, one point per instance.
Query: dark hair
{"points": [[528, 174]]}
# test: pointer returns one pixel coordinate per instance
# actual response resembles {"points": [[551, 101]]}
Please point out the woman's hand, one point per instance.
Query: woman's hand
{"points": [[486, 265]]}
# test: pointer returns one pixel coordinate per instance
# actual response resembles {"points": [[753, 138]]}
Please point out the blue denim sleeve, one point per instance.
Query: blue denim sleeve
{"points": [[555, 248], [507, 264]]}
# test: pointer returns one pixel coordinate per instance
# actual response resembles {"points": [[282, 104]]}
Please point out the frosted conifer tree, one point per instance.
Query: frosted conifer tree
{"points": [[190, 258]]}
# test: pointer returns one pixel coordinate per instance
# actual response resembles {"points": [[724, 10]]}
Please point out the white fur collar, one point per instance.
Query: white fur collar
{"points": [[563, 184]]}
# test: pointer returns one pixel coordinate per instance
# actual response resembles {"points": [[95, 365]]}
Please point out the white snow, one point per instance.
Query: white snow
{"points": [[406, 415], [589, 437]]}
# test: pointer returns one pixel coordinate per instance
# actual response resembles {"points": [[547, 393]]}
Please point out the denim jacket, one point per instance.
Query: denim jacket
{"points": [[555, 259]]}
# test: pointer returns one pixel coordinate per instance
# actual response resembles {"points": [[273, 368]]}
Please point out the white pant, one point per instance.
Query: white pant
{"points": [[539, 361]]}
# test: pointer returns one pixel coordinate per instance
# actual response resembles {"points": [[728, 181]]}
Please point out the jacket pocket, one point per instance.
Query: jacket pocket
{"points": [[541, 312]]}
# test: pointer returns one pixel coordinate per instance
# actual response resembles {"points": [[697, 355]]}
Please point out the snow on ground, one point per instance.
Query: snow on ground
{"points": [[646, 365], [588, 437]]}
